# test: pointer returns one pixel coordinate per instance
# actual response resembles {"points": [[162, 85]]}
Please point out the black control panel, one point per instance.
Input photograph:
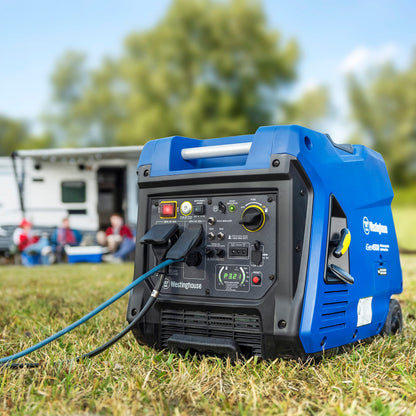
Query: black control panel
{"points": [[237, 256]]}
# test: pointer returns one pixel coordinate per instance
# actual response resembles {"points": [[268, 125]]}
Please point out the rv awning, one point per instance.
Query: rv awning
{"points": [[123, 152]]}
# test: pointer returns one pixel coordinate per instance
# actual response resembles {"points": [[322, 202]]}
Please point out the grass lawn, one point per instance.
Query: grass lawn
{"points": [[379, 378]]}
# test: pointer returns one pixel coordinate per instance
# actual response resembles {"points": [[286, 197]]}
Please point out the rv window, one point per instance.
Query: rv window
{"points": [[73, 191]]}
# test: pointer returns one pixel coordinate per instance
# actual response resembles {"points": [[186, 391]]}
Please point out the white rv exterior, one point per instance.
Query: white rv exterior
{"points": [[9, 199], [85, 183]]}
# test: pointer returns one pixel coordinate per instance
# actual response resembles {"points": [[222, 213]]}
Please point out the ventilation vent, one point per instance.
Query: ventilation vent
{"points": [[245, 330], [334, 310]]}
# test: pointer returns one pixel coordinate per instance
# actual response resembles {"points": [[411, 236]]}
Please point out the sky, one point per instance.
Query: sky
{"points": [[336, 37]]}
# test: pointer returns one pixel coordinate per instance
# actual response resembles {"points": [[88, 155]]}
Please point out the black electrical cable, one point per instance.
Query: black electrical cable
{"points": [[89, 315], [128, 328], [112, 341]]}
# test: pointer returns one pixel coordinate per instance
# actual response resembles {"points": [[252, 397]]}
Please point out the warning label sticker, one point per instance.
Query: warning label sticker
{"points": [[364, 311]]}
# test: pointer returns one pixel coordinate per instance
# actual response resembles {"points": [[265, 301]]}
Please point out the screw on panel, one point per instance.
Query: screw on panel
{"points": [[271, 277], [276, 163], [209, 201], [134, 311], [270, 199], [146, 172], [282, 324], [298, 248], [302, 192], [156, 204], [207, 291]]}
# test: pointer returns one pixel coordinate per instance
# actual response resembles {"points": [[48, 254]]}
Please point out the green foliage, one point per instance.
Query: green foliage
{"points": [[209, 68], [14, 135], [68, 81], [129, 379], [311, 107], [384, 108]]}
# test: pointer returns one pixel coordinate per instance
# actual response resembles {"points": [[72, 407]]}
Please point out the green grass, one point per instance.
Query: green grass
{"points": [[372, 379], [405, 223]]}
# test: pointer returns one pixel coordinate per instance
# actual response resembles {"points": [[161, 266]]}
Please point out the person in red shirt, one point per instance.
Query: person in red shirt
{"points": [[23, 235], [119, 239], [64, 235]]}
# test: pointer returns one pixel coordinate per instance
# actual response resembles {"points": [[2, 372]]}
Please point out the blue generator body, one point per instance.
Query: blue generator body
{"points": [[299, 252]]}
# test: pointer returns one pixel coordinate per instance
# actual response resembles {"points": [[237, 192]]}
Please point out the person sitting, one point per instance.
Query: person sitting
{"points": [[24, 238], [118, 238], [38, 251], [31, 246], [23, 235], [64, 236]]}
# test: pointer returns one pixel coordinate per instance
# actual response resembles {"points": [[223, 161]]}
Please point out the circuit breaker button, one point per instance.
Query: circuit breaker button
{"points": [[186, 208], [211, 221]]}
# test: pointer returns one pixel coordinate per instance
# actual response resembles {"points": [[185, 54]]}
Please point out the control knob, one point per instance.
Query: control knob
{"points": [[253, 218]]}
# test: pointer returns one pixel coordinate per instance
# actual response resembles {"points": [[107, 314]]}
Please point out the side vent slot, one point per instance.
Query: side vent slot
{"points": [[334, 310]]}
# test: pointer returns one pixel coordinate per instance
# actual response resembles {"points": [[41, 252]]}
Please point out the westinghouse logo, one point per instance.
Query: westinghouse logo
{"points": [[374, 227], [366, 226], [186, 285]]}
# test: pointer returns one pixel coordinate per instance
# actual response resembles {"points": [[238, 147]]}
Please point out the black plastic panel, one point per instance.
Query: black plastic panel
{"points": [[224, 273], [198, 298]]}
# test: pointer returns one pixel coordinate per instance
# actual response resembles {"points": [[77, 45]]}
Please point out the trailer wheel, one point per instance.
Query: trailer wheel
{"points": [[394, 321]]}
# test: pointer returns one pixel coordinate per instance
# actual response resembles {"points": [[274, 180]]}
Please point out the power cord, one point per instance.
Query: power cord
{"points": [[112, 341], [130, 326], [160, 236], [6, 360]]}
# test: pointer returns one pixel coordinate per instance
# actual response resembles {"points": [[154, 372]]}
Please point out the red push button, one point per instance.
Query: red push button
{"points": [[256, 280], [167, 210]]}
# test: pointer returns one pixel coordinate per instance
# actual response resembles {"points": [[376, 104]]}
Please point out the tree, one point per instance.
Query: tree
{"points": [[69, 81], [310, 108], [209, 68], [14, 135], [384, 109]]}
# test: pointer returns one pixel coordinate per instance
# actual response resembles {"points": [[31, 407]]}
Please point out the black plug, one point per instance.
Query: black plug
{"points": [[188, 240], [161, 237]]}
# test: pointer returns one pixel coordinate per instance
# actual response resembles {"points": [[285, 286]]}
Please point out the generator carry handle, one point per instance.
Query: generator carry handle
{"points": [[178, 155], [222, 150]]}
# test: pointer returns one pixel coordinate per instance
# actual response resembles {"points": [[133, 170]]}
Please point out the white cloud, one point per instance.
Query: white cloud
{"points": [[363, 57]]}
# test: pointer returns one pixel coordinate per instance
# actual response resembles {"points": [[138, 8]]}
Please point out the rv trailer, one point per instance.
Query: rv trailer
{"points": [[88, 184]]}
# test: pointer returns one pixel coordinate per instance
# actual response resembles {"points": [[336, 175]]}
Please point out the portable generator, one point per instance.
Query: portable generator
{"points": [[296, 252]]}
